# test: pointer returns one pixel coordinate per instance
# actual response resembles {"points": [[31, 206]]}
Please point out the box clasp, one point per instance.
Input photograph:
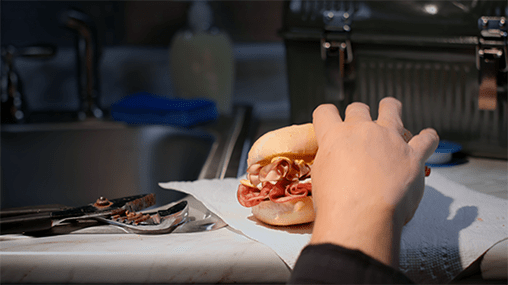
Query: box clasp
{"points": [[491, 60]]}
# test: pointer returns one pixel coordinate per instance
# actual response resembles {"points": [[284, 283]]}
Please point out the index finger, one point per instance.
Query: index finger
{"points": [[325, 117], [390, 114], [425, 143]]}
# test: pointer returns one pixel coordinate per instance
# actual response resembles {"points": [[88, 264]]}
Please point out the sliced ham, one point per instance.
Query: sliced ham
{"points": [[276, 170], [249, 196], [280, 192], [278, 181]]}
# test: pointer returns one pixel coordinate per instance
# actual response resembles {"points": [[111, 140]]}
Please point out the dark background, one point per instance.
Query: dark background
{"points": [[133, 39], [148, 23]]}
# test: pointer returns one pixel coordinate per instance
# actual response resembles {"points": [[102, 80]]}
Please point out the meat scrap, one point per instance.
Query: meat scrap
{"points": [[133, 217]]}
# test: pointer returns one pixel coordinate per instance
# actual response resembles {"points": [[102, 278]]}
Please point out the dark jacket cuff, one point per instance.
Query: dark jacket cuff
{"points": [[329, 263]]}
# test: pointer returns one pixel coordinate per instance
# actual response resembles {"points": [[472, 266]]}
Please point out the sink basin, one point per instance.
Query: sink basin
{"points": [[75, 163]]}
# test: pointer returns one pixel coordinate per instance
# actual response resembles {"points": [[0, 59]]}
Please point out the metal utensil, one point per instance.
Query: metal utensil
{"points": [[46, 220], [160, 222]]}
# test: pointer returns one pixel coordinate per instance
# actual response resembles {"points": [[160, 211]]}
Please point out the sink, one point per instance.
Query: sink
{"points": [[74, 164]]}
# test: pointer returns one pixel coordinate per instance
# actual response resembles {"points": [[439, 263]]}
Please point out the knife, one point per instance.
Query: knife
{"points": [[44, 220]]}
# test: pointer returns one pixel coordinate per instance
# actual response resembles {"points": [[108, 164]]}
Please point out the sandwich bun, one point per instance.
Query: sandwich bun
{"points": [[293, 212], [293, 142]]}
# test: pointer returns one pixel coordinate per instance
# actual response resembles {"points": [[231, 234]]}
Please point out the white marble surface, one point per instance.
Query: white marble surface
{"points": [[207, 257], [489, 176]]}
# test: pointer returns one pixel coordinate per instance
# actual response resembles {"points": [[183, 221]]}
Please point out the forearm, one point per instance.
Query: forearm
{"points": [[374, 231]]}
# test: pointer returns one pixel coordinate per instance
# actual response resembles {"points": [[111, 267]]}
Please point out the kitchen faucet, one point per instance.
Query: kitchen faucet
{"points": [[14, 107], [87, 62]]}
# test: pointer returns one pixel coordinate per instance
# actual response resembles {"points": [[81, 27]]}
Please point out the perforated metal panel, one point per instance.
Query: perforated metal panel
{"points": [[425, 53], [438, 94]]}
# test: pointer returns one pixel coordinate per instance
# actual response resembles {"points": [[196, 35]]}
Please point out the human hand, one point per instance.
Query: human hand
{"points": [[367, 181]]}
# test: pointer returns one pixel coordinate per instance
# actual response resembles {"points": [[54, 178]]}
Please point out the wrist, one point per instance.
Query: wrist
{"points": [[373, 230]]}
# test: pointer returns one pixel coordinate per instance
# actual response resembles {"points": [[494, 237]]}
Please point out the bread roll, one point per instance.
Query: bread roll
{"points": [[293, 142], [284, 214]]}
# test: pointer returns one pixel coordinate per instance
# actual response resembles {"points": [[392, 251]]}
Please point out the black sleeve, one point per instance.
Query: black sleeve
{"points": [[329, 263]]}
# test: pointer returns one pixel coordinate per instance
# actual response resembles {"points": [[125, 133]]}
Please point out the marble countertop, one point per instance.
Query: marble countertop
{"points": [[206, 257], [489, 176], [215, 256]]}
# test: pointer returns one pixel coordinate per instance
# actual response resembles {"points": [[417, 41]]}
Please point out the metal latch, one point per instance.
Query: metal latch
{"points": [[491, 59], [337, 25]]}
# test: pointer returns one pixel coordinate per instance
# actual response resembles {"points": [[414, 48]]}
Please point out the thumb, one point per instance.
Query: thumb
{"points": [[424, 144]]}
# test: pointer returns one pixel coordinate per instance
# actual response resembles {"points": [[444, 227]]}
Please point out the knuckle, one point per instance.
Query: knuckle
{"points": [[323, 108], [357, 106], [391, 100]]}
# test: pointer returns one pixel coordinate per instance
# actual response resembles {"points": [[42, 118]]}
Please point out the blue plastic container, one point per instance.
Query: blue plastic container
{"points": [[145, 108]]}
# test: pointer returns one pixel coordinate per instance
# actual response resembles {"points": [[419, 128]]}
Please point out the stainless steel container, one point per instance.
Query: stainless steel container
{"points": [[445, 60]]}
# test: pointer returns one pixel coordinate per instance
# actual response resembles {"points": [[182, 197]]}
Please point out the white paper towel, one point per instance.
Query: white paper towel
{"points": [[452, 227]]}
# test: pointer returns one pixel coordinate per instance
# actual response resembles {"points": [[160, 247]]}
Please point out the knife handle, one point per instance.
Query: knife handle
{"points": [[26, 223], [29, 210]]}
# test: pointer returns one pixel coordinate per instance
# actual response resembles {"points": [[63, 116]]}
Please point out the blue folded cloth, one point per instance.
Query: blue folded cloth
{"points": [[146, 108]]}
